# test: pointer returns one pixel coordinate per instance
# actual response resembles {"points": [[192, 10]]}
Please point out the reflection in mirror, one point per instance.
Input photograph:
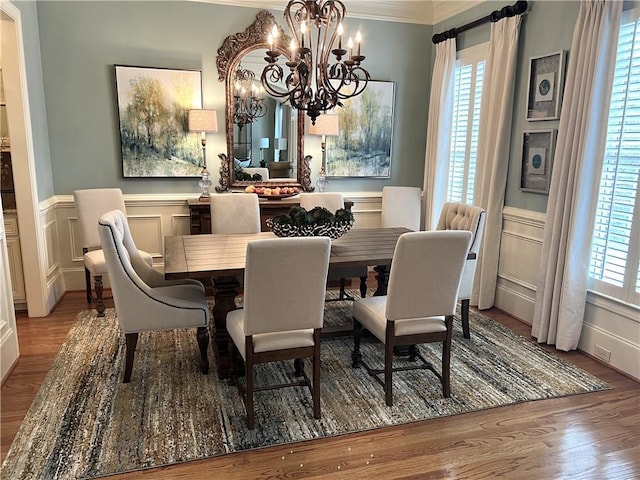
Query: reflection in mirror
{"points": [[241, 59]]}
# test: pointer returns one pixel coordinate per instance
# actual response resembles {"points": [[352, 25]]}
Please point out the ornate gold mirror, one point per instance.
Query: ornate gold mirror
{"points": [[236, 54]]}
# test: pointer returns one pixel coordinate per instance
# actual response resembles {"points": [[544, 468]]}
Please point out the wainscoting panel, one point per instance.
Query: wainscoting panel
{"points": [[180, 224], [520, 248], [148, 233], [367, 208]]}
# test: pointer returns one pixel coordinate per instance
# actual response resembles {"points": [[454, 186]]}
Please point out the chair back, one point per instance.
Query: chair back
{"points": [[284, 284], [330, 201], [401, 207], [459, 216], [425, 274], [91, 204], [235, 213], [123, 263]]}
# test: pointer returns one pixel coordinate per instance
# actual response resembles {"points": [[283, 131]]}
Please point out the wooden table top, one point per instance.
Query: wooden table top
{"points": [[204, 256]]}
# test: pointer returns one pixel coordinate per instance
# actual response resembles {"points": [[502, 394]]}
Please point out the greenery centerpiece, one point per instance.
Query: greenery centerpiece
{"points": [[298, 222]]}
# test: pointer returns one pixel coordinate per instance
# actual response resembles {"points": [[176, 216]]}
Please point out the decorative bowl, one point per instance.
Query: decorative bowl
{"points": [[332, 229]]}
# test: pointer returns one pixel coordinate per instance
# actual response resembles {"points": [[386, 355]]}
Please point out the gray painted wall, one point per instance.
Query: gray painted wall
{"points": [[546, 28], [37, 110], [82, 40]]}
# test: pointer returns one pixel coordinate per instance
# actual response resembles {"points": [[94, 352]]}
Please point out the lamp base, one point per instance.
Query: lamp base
{"points": [[205, 184], [322, 181]]}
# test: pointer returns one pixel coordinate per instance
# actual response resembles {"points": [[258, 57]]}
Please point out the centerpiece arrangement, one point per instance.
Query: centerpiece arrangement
{"points": [[298, 222]]}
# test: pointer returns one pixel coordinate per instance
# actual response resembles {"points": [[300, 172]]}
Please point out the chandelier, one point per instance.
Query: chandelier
{"points": [[312, 83], [248, 98]]}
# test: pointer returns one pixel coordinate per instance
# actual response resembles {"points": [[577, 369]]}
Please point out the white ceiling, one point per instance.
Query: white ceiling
{"points": [[427, 12]]}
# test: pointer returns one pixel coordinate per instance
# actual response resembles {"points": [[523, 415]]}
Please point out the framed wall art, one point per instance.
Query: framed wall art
{"points": [[363, 146], [537, 159], [153, 105], [546, 78]]}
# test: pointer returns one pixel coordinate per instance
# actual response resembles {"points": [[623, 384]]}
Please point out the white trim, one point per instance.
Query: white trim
{"points": [[19, 119]]}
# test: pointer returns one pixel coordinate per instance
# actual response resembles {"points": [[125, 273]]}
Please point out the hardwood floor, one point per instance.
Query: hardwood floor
{"points": [[590, 436]]}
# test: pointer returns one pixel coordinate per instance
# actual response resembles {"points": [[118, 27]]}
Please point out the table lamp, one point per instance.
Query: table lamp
{"points": [[264, 143], [203, 121], [326, 124]]}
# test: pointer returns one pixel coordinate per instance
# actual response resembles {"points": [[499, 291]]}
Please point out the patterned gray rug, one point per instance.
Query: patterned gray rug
{"points": [[85, 422]]}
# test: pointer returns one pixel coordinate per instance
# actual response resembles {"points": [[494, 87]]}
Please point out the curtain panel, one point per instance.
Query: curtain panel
{"points": [[493, 149], [439, 132], [564, 264]]}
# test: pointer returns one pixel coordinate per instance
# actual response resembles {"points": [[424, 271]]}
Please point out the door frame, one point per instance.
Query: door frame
{"points": [[32, 239]]}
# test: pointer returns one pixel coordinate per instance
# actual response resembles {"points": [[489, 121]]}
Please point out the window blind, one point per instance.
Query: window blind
{"points": [[615, 253], [469, 77]]}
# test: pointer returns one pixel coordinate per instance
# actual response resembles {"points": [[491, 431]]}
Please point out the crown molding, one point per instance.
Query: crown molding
{"points": [[424, 12]]}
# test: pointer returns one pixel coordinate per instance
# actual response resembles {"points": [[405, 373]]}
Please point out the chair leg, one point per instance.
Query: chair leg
{"points": [[87, 282], [203, 343], [99, 300], [388, 363], [248, 402], [464, 314], [316, 375], [298, 366], [131, 342], [363, 287], [446, 359], [356, 356]]}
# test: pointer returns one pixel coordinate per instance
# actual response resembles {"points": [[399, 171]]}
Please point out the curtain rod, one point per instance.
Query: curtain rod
{"points": [[508, 11]]}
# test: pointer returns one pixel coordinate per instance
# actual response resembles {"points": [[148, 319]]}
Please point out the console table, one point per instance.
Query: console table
{"points": [[200, 212]]}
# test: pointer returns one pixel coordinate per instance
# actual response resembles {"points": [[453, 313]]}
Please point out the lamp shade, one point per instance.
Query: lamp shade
{"points": [[264, 142], [281, 143], [325, 125], [203, 121]]}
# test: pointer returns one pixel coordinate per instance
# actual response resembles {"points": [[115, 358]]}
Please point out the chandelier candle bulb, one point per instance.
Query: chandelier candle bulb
{"points": [[340, 32], [358, 41]]}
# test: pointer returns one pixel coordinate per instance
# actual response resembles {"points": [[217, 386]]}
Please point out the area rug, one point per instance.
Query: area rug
{"points": [[84, 422]]}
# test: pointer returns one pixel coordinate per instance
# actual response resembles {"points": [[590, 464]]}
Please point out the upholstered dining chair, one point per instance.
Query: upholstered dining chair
{"points": [[91, 204], [333, 201], [419, 305], [401, 207], [281, 318], [459, 216], [144, 300], [235, 213]]}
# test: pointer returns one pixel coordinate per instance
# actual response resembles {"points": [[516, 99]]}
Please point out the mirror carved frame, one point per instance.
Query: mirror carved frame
{"points": [[230, 53]]}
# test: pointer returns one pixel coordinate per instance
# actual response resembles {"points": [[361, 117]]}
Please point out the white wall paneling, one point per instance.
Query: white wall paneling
{"points": [[520, 247]]}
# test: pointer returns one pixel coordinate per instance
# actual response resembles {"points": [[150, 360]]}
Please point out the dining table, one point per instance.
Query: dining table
{"points": [[220, 259]]}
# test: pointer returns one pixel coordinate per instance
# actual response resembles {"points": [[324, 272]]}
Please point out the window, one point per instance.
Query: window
{"points": [[469, 76], [615, 252]]}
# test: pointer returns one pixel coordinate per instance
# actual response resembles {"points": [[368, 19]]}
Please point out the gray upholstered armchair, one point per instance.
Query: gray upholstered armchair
{"points": [[458, 216], [419, 306], [144, 300], [281, 320]]}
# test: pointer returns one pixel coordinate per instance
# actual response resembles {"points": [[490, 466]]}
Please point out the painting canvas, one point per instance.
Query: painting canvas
{"points": [[153, 105], [363, 147], [546, 76], [537, 156]]}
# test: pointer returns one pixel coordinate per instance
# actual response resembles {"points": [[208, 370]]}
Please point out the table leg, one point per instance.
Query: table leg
{"points": [[225, 290], [383, 279]]}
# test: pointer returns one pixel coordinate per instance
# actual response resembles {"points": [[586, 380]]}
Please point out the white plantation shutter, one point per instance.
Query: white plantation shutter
{"points": [[469, 75], [615, 253]]}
